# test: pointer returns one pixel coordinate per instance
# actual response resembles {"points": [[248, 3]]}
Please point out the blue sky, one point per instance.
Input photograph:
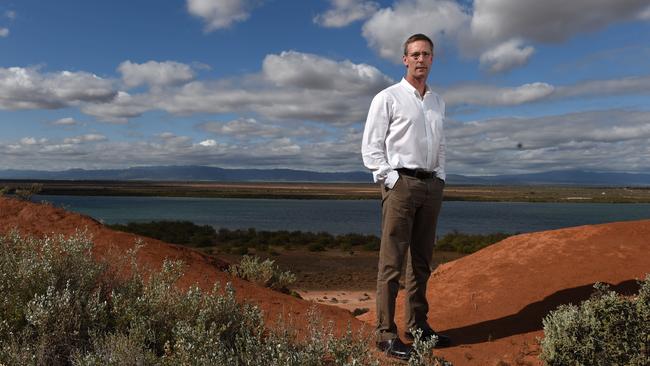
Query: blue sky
{"points": [[530, 85]]}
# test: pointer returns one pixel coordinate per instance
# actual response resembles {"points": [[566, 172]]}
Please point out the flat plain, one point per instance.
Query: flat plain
{"points": [[298, 190]]}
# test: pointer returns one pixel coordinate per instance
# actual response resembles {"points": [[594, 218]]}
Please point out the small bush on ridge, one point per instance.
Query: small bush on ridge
{"points": [[264, 273], [26, 193], [607, 329]]}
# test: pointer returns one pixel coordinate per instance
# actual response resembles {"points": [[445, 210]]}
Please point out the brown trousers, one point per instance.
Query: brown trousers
{"points": [[409, 217]]}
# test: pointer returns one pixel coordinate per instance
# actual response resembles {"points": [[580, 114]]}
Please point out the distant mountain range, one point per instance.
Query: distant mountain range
{"points": [[204, 173], [190, 173]]}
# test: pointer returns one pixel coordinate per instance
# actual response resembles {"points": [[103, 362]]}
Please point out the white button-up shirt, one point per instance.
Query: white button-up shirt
{"points": [[404, 130]]}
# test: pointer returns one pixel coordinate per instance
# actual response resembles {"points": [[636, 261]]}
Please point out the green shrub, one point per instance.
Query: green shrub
{"points": [[26, 192], [372, 244], [53, 297], [239, 250], [607, 329], [422, 353], [468, 243], [60, 307], [316, 247], [176, 232], [187, 233], [264, 273]]}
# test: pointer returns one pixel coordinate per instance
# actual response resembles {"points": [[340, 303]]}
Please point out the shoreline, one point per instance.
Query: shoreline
{"points": [[330, 191]]}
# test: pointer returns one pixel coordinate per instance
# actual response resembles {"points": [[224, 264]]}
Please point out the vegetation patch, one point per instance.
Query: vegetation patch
{"points": [[239, 241], [264, 273], [60, 307], [23, 192], [468, 243], [607, 329], [176, 232]]}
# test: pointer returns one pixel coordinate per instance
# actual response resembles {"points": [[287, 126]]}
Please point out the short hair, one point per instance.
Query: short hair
{"points": [[417, 37]]}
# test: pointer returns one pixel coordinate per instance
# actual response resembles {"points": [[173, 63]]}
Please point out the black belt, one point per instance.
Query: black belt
{"points": [[419, 174]]}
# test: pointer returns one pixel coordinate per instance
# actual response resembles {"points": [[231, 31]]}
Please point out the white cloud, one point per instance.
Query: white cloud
{"points": [[607, 87], [26, 88], [505, 96], [598, 140], [242, 128], [92, 137], [166, 135], [333, 153], [10, 14], [550, 20], [344, 12], [247, 128], [506, 56], [645, 14], [388, 28], [497, 31], [208, 143], [292, 85], [300, 86], [170, 139], [66, 121], [333, 106], [219, 14], [309, 71], [495, 96], [4, 32], [155, 73], [28, 141], [121, 108]]}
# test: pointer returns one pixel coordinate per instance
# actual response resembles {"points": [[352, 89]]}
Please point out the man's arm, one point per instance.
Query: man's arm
{"points": [[373, 146]]}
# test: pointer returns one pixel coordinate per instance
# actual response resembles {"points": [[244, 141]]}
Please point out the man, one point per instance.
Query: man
{"points": [[404, 146]]}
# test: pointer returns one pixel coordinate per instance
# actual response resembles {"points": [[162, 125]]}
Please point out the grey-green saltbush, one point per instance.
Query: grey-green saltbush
{"points": [[422, 353], [606, 330], [58, 306], [264, 273]]}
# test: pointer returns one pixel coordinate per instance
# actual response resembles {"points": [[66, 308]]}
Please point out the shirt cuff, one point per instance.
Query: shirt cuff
{"points": [[391, 179]]}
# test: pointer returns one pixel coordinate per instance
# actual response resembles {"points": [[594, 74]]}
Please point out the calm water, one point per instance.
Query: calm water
{"points": [[343, 216]]}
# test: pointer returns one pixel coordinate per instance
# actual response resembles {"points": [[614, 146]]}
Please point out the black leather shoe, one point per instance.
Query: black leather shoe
{"points": [[395, 348], [443, 340]]}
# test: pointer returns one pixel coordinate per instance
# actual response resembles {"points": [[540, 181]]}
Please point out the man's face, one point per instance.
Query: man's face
{"points": [[418, 59]]}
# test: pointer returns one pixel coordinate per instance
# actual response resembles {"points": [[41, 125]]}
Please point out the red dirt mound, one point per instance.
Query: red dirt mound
{"points": [[42, 219], [492, 302]]}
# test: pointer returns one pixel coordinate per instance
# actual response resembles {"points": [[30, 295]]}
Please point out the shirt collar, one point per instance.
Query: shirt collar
{"points": [[412, 89]]}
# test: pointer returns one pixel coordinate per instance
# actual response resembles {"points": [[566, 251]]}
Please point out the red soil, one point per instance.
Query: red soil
{"points": [[491, 303]]}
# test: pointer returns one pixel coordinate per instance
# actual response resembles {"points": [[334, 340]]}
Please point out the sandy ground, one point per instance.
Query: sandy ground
{"points": [[345, 279], [491, 302]]}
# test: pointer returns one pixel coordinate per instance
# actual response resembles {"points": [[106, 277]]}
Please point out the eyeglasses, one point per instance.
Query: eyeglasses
{"points": [[416, 55]]}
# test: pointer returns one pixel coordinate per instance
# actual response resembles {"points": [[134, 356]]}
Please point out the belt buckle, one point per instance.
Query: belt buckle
{"points": [[423, 174]]}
